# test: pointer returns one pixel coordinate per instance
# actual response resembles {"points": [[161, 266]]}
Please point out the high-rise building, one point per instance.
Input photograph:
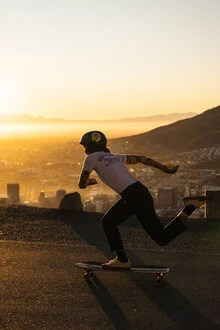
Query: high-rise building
{"points": [[13, 192], [212, 209]]}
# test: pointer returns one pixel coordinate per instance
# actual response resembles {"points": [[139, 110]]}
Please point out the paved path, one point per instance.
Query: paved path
{"points": [[42, 289]]}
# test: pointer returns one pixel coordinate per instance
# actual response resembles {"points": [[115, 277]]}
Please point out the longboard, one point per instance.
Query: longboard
{"points": [[159, 271]]}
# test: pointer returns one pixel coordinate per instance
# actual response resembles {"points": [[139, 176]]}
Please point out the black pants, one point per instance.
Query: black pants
{"points": [[137, 200]]}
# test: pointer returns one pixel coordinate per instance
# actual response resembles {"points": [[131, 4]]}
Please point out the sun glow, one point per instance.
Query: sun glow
{"points": [[7, 98]]}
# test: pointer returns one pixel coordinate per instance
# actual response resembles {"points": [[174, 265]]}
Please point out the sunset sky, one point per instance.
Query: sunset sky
{"points": [[102, 59]]}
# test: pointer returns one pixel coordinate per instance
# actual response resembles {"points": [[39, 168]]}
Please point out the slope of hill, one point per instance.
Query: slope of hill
{"points": [[201, 131]]}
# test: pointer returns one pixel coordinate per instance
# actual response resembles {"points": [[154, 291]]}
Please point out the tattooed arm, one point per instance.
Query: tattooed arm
{"points": [[134, 159], [85, 181]]}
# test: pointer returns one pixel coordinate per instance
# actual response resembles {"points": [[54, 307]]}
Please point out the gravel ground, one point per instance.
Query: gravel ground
{"points": [[31, 224]]}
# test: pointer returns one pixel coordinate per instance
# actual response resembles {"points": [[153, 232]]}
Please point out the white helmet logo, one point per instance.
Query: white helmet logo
{"points": [[96, 137]]}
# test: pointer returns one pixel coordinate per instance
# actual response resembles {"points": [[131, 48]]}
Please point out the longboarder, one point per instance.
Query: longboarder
{"points": [[135, 197]]}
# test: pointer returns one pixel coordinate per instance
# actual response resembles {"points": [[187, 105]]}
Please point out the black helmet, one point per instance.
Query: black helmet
{"points": [[93, 141]]}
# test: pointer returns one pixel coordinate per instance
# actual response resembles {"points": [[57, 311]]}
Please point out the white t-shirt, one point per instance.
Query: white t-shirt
{"points": [[110, 168]]}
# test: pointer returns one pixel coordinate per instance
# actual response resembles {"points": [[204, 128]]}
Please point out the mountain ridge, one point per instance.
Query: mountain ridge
{"points": [[24, 118], [197, 132]]}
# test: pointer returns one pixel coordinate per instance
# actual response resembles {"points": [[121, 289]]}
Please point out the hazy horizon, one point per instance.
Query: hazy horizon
{"points": [[148, 116], [116, 128], [72, 131]]}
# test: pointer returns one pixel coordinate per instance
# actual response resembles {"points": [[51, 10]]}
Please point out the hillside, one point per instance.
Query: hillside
{"points": [[201, 131]]}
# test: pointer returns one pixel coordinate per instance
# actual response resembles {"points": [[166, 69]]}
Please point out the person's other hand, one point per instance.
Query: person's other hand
{"points": [[170, 168], [92, 181]]}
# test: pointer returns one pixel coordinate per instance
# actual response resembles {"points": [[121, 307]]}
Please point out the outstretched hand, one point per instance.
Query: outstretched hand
{"points": [[170, 169], [92, 181]]}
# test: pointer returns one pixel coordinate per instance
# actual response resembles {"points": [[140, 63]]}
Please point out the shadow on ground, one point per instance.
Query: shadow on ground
{"points": [[84, 229], [176, 306]]}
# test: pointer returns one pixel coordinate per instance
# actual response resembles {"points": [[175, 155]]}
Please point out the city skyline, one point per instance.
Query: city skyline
{"points": [[101, 60]]}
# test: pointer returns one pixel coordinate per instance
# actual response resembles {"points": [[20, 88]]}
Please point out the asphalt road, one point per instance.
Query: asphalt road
{"points": [[42, 289]]}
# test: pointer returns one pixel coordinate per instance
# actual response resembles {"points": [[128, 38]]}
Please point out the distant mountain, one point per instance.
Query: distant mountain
{"points": [[201, 131], [26, 119], [158, 118]]}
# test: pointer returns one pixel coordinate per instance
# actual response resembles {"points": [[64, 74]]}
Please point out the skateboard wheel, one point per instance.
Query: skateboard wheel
{"points": [[159, 281], [88, 275]]}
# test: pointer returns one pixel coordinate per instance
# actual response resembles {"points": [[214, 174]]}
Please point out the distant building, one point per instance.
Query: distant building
{"points": [[51, 201], [217, 180], [103, 202], [13, 192], [167, 197], [212, 209], [42, 199], [59, 196], [89, 206]]}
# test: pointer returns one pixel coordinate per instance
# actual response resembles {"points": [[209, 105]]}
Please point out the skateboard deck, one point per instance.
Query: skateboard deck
{"points": [[159, 271]]}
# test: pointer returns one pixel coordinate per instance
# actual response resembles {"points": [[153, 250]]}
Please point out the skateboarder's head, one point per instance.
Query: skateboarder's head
{"points": [[94, 141]]}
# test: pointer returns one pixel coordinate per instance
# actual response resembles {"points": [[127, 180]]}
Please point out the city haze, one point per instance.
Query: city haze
{"points": [[48, 165], [28, 127]]}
